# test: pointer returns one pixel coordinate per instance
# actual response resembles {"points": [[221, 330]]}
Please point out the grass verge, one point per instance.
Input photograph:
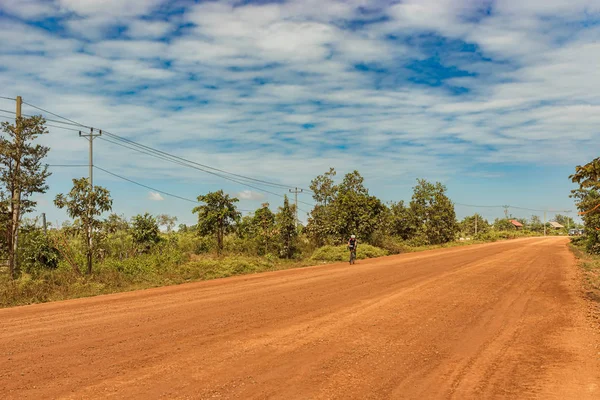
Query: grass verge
{"points": [[590, 266]]}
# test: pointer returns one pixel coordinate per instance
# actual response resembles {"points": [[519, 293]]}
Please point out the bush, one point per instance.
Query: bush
{"points": [[394, 245], [38, 252], [341, 253]]}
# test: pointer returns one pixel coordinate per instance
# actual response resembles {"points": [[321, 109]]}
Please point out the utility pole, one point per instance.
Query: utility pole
{"points": [[505, 211], [296, 191], [544, 222], [90, 137], [44, 222], [16, 201]]}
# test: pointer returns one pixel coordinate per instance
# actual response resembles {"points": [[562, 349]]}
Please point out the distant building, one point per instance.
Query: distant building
{"points": [[555, 225], [516, 224]]}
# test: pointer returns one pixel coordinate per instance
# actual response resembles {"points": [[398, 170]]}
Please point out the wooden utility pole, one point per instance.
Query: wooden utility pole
{"points": [[91, 136], [15, 207], [296, 191], [44, 222]]}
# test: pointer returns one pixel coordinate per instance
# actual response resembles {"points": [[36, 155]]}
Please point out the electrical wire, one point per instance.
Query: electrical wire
{"points": [[165, 156], [7, 98], [273, 184], [151, 188], [51, 120], [67, 165], [148, 148], [56, 115]]}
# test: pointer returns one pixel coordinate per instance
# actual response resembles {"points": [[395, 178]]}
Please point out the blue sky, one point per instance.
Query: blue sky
{"points": [[499, 100]]}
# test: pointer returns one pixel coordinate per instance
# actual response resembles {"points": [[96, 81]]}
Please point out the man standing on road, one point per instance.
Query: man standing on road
{"points": [[352, 246]]}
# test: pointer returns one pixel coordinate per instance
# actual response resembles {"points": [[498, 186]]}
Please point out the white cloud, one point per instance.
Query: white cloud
{"points": [[154, 196], [141, 29], [250, 195], [112, 8], [238, 86]]}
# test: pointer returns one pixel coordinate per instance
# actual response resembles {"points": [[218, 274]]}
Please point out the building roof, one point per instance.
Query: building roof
{"points": [[556, 224], [516, 223]]}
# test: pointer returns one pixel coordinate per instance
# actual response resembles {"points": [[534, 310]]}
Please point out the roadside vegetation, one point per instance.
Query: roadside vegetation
{"points": [[99, 252], [587, 247], [590, 265]]}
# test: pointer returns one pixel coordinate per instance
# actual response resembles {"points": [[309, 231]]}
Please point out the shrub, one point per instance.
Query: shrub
{"points": [[38, 252], [340, 253]]}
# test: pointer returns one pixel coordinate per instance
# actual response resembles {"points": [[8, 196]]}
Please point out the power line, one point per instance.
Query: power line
{"points": [[167, 154], [153, 189], [182, 161], [7, 98], [56, 115], [476, 206], [66, 165], [47, 119], [148, 148]]}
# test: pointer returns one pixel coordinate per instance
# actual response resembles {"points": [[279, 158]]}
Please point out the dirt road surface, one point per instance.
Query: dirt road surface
{"points": [[502, 320]]}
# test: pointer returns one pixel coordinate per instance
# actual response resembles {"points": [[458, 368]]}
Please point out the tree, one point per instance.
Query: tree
{"points": [[286, 225], [145, 232], [433, 213], [37, 250], [323, 188], [343, 209], [86, 204], [21, 174], [587, 198], [401, 221], [263, 224], [354, 210], [167, 221], [115, 223], [217, 216], [536, 224], [467, 225], [503, 224]]}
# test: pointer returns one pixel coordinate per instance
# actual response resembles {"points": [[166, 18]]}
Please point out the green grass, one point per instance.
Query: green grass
{"points": [[590, 265], [341, 253]]}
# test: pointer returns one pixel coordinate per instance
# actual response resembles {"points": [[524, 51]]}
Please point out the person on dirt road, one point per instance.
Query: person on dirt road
{"points": [[352, 246]]}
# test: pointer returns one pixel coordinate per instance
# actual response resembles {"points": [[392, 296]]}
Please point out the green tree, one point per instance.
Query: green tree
{"points": [[286, 225], [217, 216], [503, 224], [536, 224], [145, 231], [86, 204], [115, 223], [587, 198], [354, 211], [323, 188], [343, 210], [401, 221], [320, 227], [433, 213], [167, 221], [37, 250], [263, 224], [21, 174], [467, 225]]}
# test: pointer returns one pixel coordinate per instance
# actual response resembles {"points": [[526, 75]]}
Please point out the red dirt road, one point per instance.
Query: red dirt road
{"points": [[503, 320]]}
